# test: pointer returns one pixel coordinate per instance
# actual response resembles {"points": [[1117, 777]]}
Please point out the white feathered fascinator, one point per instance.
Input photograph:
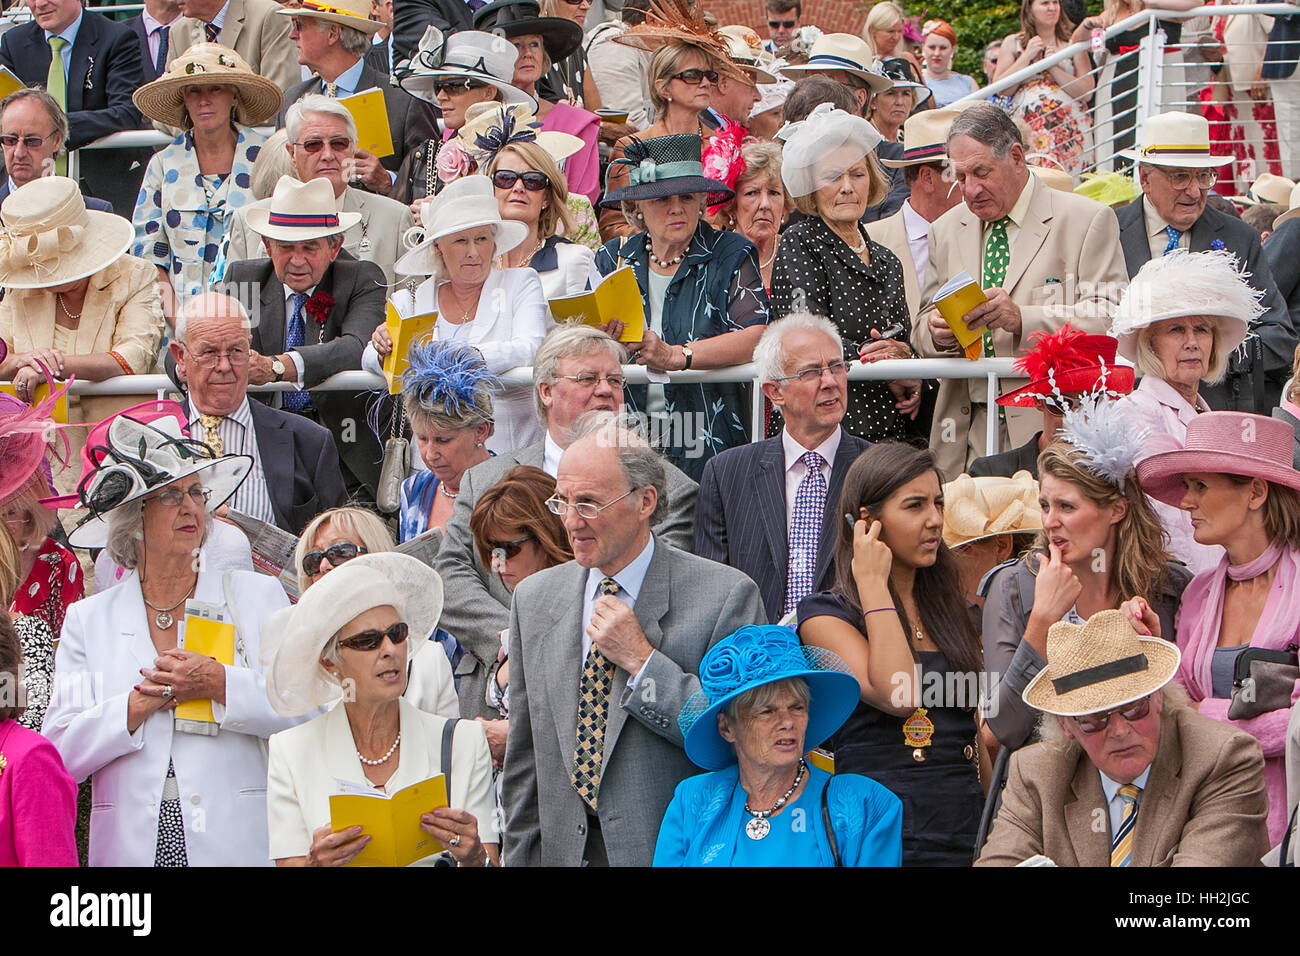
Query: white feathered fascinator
{"points": [[1109, 439]]}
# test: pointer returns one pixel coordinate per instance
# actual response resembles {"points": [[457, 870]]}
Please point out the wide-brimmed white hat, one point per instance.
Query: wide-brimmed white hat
{"points": [[348, 13], [841, 51], [257, 99], [50, 238], [1183, 284], [1176, 139], [298, 211], [468, 54], [820, 148], [925, 138], [746, 50], [467, 203], [294, 637]]}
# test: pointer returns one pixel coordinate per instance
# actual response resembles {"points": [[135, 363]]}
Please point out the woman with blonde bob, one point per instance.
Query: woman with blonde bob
{"points": [[883, 32]]}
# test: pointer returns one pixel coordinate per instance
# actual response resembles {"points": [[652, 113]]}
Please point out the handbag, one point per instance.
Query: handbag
{"points": [[397, 461], [1262, 681]]}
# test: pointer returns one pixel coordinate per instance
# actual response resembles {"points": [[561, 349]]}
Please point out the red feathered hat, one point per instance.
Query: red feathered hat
{"points": [[1069, 360]]}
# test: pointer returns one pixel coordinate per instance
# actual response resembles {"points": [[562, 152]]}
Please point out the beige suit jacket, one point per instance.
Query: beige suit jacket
{"points": [[1204, 803], [252, 30], [1066, 266], [891, 233]]}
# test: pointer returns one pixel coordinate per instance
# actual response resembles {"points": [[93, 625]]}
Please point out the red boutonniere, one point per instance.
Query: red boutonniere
{"points": [[319, 305]]}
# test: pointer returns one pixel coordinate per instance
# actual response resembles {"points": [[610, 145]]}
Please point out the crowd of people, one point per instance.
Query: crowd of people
{"points": [[590, 618]]}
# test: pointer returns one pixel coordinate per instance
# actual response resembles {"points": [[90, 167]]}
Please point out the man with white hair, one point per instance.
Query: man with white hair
{"points": [[770, 508], [295, 473], [317, 128]]}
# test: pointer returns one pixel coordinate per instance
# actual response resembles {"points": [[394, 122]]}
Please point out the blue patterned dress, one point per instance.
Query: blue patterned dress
{"points": [[181, 215]]}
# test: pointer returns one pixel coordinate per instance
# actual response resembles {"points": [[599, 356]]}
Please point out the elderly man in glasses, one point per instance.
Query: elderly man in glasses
{"points": [[1177, 173], [604, 651], [1128, 773], [295, 472], [33, 128], [769, 509]]}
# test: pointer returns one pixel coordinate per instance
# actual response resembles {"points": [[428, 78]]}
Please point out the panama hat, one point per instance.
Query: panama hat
{"points": [[348, 13], [1099, 665], [50, 238], [491, 127], [1068, 360], [1176, 139], [468, 54], [257, 99], [520, 18], [297, 212], [990, 505], [745, 48], [755, 655], [1223, 443], [665, 166], [925, 138], [1268, 188], [294, 637], [840, 51], [467, 203], [1292, 211]]}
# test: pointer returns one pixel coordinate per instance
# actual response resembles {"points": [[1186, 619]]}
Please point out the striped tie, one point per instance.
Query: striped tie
{"points": [[1121, 848], [593, 711], [211, 31], [1174, 236]]}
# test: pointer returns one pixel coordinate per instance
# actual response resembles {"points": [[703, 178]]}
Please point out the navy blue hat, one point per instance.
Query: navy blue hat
{"points": [[664, 166], [520, 18]]}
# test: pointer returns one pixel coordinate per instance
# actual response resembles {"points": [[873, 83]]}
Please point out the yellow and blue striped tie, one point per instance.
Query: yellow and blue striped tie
{"points": [[1121, 848]]}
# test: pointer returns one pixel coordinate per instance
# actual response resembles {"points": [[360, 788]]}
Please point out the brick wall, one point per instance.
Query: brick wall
{"points": [[832, 16]]}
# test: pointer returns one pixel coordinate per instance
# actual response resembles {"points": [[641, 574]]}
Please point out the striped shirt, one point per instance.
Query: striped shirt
{"points": [[240, 438]]}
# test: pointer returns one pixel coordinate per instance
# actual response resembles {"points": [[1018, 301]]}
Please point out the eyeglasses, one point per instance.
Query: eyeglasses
{"points": [[590, 380], [454, 86], [781, 24], [369, 640], [510, 548], [338, 144], [533, 180], [172, 497], [576, 3], [337, 554], [809, 375], [695, 77], [9, 141], [211, 358], [1096, 723], [1182, 178], [558, 506]]}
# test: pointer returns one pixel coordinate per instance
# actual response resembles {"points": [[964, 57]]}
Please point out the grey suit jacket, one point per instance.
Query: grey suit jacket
{"points": [[476, 606], [252, 29], [686, 605]]}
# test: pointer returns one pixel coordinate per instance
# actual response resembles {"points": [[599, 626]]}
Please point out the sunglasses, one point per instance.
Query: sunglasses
{"points": [[533, 180], [337, 554], [695, 77], [369, 640], [339, 144], [1096, 723], [9, 141], [510, 548], [779, 24], [456, 86]]}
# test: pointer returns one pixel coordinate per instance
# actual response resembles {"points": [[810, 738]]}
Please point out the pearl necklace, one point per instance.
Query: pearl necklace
{"points": [[758, 827], [442, 486], [58, 297], [384, 758], [660, 262], [858, 250]]}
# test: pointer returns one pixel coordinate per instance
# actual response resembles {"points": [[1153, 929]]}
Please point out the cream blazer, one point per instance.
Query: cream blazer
{"points": [[308, 761]]}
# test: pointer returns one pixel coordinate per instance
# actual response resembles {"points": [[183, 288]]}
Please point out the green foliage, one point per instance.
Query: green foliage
{"points": [[977, 23]]}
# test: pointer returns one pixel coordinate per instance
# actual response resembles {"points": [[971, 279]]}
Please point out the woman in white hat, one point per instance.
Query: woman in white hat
{"points": [[354, 629], [1178, 322], [501, 312], [132, 656], [193, 187]]}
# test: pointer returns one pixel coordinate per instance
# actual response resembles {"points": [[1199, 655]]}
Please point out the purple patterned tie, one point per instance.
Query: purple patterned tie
{"points": [[806, 531], [294, 338]]}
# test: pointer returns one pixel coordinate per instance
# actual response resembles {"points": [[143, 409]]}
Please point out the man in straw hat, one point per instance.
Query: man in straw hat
{"points": [[249, 27], [312, 315], [332, 42], [1177, 172], [1131, 774]]}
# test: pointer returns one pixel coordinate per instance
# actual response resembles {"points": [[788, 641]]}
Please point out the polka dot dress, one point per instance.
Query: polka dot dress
{"points": [[170, 848]]}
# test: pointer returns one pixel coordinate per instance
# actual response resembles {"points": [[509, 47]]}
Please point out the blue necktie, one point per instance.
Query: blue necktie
{"points": [[1174, 236], [160, 62], [211, 31], [294, 338], [805, 531]]}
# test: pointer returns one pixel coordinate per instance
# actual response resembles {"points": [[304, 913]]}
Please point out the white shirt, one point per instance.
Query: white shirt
{"points": [[1115, 803], [239, 437], [918, 234], [795, 469], [551, 453], [629, 581]]}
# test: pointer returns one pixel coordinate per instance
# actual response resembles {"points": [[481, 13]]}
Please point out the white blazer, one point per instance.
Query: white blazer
{"points": [[222, 779], [431, 686], [308, 761], [572, 271]]}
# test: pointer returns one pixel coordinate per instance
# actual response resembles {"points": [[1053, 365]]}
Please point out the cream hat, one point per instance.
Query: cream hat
{"points": [[50, 238], [925, 138], [841, 51], [1291, 212], [490, 127], [1176, 139], [1268, 188], [1057, 179], [464, 204], [257, 99], [746, 50], [298, 211], [984, 507], [348, 13]]}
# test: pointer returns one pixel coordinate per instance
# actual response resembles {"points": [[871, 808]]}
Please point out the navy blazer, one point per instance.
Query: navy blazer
{"points": [[147, 66], [740, 515], [301, 463], [98, 205]]}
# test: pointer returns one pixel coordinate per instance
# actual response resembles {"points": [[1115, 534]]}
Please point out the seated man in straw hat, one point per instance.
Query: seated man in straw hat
{"points": [[1177, 172], [1129, 773]]}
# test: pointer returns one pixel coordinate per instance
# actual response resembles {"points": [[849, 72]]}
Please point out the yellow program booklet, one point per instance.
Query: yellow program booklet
{"points": [[617, 297], [210, 633], [367, 109], [404, 332], [961, 294], [9, 83], [392, 821]]}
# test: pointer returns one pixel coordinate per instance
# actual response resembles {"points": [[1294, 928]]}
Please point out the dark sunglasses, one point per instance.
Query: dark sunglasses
{"points": [[339, 144], [695, 77], [337, 554], [777, 24], [533, 180], [9, 141], [1096, 723], [369, 640], [510, 548], [456, 86]]}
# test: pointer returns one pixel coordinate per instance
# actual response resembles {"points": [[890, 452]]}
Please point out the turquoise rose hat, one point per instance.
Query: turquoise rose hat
{"points": [[751, 657]]}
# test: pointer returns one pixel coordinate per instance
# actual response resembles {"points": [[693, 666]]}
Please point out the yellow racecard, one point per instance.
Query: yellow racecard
{"points": [[393, 823]]}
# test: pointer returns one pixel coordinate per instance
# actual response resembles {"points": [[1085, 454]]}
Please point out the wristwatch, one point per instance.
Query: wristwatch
{"points": [[687, 353], [278, 368]]}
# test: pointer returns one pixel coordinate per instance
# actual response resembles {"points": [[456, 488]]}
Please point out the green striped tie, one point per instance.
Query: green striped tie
{"points": [[56, 84]]}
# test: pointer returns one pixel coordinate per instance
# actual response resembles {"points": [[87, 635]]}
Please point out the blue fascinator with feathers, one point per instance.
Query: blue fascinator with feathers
{"points": [[450, 379]]}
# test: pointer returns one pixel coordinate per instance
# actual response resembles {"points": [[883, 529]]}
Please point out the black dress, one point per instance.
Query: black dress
{"points": [[941, 793]]}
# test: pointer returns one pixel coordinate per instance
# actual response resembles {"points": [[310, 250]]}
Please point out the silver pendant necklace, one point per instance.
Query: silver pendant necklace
{"points": [[163, 617], [759, 827]]}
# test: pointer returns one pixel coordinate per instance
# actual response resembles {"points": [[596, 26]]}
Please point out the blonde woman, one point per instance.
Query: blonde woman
{"points": [[883, 32]]}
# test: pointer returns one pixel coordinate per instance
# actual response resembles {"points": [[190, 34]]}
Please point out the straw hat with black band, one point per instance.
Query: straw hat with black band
{"points": [[746, 50], [257, 99], [346, 13], [49, 237]]}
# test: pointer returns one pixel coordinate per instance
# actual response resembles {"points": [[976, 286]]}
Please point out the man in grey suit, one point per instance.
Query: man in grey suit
{"points": [[609, 645], [575, 371]]}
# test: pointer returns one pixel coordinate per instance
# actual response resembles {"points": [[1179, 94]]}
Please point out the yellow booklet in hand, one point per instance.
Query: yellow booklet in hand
{"points": [[954, 300], [404, 332], [391, 821], [207, 632], [373, 134], [60, 411], [617, 297], [9, 83]]}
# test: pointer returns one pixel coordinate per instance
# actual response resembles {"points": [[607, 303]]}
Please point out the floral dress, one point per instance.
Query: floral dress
{"points": [[1060, 132], [55, 582]]}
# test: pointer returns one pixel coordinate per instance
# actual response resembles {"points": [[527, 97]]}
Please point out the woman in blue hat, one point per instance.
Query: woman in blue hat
{"points": [[764, 698]]}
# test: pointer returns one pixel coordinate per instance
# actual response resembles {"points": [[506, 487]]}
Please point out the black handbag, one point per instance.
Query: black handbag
{"points": [[1262, 681]]}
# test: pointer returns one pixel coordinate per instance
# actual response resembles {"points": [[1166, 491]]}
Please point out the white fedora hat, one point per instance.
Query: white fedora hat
{"points": [[467, 203], [925, 138], [1268, 188], [1176, 139], [298, 211], [841, 51], [466, 54], [348, 13]]}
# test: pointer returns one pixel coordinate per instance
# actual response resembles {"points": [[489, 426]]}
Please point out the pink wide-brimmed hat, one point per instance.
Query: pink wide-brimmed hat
{"points": [[29, 440], [1224, 443]]}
